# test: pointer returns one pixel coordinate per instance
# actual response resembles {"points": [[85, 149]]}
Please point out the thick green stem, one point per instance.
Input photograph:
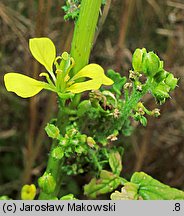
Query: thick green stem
{"points": [[84, 36], [81, 47], [84, 33]]}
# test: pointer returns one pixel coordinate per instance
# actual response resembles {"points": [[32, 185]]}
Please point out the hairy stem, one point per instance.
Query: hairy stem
{"points": [[133, 100]]}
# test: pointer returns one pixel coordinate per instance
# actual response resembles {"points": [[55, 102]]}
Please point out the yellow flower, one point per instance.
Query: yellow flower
{"points": [[44, 52], [28, 192]]}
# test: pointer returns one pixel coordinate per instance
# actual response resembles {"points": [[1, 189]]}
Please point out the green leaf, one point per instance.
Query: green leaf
{"points": [[119, 81], [43, 51], [22, 85], [52, 131], [107, 183], [115, 162], [152, 189]]}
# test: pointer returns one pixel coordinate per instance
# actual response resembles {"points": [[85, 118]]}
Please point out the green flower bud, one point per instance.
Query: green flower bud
{"points": [[57, 153], [160, 76], [65, 56], [52, 131], [47, 183], [161, 92], [137, 59], [91, 142], [83, 138], [143, 121], [138, 85], [171, 81], [28, 192], [79, 149], [151, 64]]}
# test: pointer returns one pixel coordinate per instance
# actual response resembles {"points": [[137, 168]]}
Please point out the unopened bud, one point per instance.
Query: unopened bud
{"points": [[47, 183], [171, 81], [137, 59], [91, 142], [151, 64]]}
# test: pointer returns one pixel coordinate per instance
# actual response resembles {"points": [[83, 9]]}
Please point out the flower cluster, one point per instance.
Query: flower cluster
{"points": [[58, 80], [152, 67]]}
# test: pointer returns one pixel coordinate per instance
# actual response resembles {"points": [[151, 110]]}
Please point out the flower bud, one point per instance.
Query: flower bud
{"points": [[137, 59], [57, 153], [52, 131], [151, 64], [171, 81], [91, 142], [160, 76], [28, 192], [47, 183], [161, 92]]}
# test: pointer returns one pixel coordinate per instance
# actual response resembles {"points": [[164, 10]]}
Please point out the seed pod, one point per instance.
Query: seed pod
{"points": [[137, 59]]}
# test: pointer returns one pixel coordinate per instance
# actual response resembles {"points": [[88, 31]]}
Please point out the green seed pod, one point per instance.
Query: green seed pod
{"points": [[160, 76], [137, 59], [151, 64], [47, 183], [171, 81]]}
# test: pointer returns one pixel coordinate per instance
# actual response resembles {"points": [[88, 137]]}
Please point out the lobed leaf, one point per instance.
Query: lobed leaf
{"points": [[107, 183], [152, 189]]}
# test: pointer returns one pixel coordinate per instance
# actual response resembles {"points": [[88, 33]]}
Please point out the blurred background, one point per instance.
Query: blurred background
{"points": [[157, 25]]}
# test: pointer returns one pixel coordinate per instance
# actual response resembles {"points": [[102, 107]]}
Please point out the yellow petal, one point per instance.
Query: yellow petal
{"points": [[84, 86], [28, 192], [43, 51], [22, 85], [93, 71]]}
